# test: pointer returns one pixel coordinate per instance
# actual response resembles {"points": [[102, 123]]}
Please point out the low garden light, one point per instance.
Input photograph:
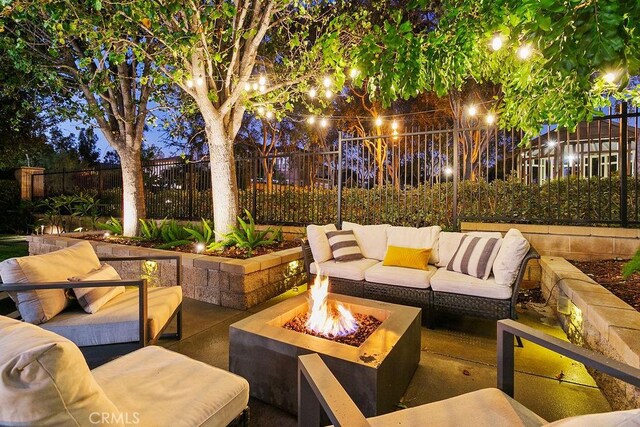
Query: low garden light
{"points": [[261, 110], [107, 235], [200, 247], [497, 42]]}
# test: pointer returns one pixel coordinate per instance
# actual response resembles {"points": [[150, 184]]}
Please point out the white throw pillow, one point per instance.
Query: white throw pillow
{"points": [[372, 239], [416, 238], [475, 256], [92, 299], [317, 237], [448, 243], [512, 252]]}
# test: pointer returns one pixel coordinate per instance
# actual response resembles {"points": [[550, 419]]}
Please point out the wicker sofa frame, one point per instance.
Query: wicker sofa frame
{"points": [[430, 301]]}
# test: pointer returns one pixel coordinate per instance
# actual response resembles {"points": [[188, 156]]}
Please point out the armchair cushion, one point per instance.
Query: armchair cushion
{"points": [[118, 320], [41, 305], [45, 379], [91, 299], [169, 389]]}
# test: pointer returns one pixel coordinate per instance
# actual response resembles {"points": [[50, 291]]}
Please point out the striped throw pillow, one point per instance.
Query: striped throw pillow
{"points": [[475, 256], [344, 245]]}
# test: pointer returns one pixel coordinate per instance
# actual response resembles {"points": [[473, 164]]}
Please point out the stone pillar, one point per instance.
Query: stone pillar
{"points": [[24, 177]]}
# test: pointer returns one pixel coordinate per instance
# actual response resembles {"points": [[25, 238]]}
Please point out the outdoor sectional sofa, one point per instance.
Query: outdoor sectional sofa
{"points": [[434, 290]]}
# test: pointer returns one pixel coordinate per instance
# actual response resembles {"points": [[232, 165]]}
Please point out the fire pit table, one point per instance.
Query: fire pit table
{"points": [[375, 374]]}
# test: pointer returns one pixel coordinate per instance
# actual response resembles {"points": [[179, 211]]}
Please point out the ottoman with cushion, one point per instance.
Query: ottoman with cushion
{"points": [[48, 382]]}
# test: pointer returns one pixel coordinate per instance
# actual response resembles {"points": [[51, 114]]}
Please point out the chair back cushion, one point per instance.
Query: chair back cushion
{"points": [[507, 263], [475, 256], [41, 305], [628, 418], [91, 299], [417, 238], [344, 246], [372, 239], [45, 380], [317, 236]]}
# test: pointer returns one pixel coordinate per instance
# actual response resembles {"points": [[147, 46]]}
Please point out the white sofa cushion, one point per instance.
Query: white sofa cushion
{"points": [[169, 389], [400, 276], [350, 270], [372, 239], [417, 238], [475, 256], [117, 320], [512, 252], [458, 283], [92, 299], [41, 305], [318, 241], [487, 407], [45, 379], [630, 418]]}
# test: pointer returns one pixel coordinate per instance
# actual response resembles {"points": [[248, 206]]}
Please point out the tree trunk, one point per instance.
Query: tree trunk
{"points": [[133, 205], [224, 187]]}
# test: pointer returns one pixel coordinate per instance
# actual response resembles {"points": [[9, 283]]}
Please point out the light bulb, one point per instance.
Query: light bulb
{"points": [[610, 77], [324, 123], [263, 89], [326, 82], [107, 235], [200, 247], [189, 83], [448, 170], [490, 119], [379, 121], [313, 92], [247, 86], [255, 86], [269, 114], [199, 81], [525, 51], [261, 110], [552, 143], [354, 73], [311, 120], [472, 110], [262, 81], [328, 94], [497, 43], [394, 125]]}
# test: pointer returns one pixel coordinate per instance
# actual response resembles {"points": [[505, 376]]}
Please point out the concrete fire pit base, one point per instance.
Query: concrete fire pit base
{"points": [[375, 375]]}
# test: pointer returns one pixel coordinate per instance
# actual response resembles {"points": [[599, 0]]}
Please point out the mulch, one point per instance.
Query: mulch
{"points": [[232, 252], [608, 273]]}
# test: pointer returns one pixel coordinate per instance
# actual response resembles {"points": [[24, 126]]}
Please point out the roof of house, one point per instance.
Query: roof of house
{"points": [[595, 130]]}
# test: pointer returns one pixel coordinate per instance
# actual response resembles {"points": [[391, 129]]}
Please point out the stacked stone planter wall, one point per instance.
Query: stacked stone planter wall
{"points": [[234, 283], [597, 319]]}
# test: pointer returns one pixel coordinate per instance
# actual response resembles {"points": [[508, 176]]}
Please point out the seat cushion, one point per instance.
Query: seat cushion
{"points": [[417, 238], [39, 306], [372, 239], [92, 299], [400, 276], [319, 243], [350, 270], [169, 389], [488, 407], [507, 263], [45, 379], [628, 418], [117, 320], [458, 283]]}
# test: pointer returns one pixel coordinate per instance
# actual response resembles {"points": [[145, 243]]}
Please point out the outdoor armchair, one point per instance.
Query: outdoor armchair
{"points": [[320, 395]]}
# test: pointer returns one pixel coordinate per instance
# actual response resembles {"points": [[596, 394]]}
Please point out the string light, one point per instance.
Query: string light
{"points": [[311, 120], [525, 51], [263, 89], [394, 125], [255, 86], [354, 73], [199, 81], [269, 115], [378, 121], [313, 92], [262, 81], [610, 77], [448, 170], [328, 94], [324, 123], [261, 110], [472, 110], [326, 82], [497, 43], [490, 118], [247, 86], [552, 143], [189, 83]]}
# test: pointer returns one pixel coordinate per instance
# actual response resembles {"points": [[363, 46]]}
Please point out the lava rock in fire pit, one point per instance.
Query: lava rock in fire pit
{"points": [[366, 326]]}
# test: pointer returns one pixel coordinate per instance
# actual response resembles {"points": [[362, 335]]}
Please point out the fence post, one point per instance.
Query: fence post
{"points": [[339, 168], [623, 140], [190, 181], [99, 168], [456, 173]]}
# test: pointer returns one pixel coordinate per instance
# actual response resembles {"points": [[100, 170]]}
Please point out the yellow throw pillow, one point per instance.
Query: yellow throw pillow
{"points": [[397, 256]]}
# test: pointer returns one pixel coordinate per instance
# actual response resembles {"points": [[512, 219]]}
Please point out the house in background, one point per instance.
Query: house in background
{"points": [[592, 150]]}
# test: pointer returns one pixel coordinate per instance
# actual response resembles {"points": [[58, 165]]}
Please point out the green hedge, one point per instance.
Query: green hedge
{"points": [[16, 216]]}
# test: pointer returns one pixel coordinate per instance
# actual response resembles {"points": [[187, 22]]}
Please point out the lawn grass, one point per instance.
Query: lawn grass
{"points": [[13, 246]]}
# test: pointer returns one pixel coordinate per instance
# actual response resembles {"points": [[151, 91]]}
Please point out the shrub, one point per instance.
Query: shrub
{"points": [[16, 216], [246, 236]]}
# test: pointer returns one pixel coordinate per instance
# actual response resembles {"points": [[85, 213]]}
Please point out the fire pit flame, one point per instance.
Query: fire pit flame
{"points": [[323, 319]]}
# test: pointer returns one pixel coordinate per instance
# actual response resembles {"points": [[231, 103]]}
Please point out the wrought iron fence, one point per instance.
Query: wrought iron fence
{"points": [[437, 175]]}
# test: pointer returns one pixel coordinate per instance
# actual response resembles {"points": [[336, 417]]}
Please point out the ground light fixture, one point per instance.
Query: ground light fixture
{"points": [[497, 42], [200, 247]]}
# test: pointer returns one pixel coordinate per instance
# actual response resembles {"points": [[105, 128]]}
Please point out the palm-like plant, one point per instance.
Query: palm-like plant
{"points": [[246, 236], [202, 233]]}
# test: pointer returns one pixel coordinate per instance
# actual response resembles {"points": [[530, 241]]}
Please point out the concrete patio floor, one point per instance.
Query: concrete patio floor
{"points": [[458, 356]]}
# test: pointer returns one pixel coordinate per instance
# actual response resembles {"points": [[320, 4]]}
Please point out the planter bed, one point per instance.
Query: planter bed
{"points": [[229, 282], [595, 318], [608, 274]]}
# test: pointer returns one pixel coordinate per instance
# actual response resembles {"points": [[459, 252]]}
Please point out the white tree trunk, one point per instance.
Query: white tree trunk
{"points": [[224, 186], [133, 205]]}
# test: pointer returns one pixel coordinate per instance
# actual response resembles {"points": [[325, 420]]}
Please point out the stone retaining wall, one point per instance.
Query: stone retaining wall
{"points": [[234, 283], [598, 320]]}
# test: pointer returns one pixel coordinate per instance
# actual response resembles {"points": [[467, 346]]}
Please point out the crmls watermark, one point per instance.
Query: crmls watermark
{"points": [[106, 418]]}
